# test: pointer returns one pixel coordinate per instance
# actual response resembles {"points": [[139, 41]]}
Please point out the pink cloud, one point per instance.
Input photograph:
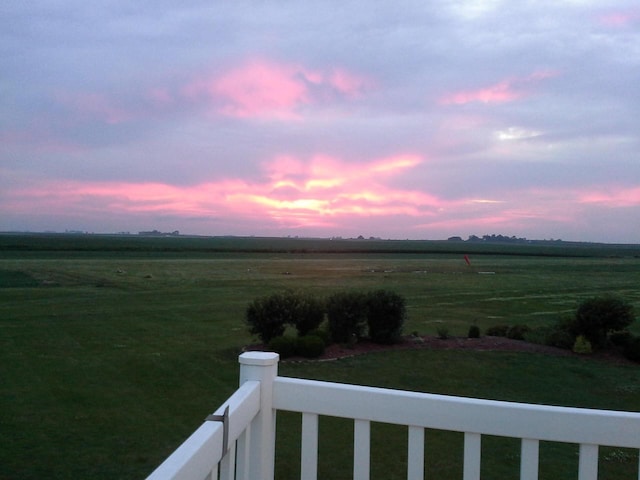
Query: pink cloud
{"points": [[260, 88], [328, 187], [504, 91], [322, 192], [619, 197], [322, 187], [347, 83], [254, 89], [498, 93], [620, 19]]}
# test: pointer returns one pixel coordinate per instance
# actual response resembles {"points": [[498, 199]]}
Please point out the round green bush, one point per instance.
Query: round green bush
{"points": [[621, 338], [582, 346], [323, 333], [562, 334], [632, 350], [269, 316], [443, 333], [598, 316], [310, 346], [346, 315], [560, 338], [308, 312], [497, 331], [474, 331], [517, 332], [386, 312], [285, 345]]}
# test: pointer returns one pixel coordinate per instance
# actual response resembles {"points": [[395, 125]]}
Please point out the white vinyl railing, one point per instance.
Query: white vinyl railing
{"points": [[249, 426]]}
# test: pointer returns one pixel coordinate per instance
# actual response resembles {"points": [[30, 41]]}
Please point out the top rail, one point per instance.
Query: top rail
{"points": [[489, 417]]}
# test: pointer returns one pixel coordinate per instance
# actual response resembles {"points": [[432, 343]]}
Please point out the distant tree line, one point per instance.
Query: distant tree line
{"points": [[157, 233], [493, 238]]}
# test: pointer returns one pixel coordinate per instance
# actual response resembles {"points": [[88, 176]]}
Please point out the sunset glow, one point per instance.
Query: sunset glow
{"points": [[420, 120]]}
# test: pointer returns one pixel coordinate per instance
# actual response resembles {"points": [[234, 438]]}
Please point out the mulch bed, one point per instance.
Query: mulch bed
{"points": [[452, 343], [486, 343]]}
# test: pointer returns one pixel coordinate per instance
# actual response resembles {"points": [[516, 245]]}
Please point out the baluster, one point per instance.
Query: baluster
{"points": [[472, 454], [213, 475], [361, 449], [529, 459], [588, 465], [243, 454], [415, 454], [228, 464], [309, 453]]}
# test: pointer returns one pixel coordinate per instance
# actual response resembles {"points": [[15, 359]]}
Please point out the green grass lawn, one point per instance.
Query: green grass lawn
{"points": [[108, 361]]}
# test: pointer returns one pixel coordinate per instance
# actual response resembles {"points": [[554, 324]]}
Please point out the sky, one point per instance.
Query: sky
{"points": [[407, 119]]}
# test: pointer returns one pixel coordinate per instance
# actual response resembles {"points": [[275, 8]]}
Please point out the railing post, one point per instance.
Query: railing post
{"points": [[262, 367]]}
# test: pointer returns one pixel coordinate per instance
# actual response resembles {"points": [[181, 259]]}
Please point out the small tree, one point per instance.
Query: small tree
{"points": [[386, 312], [598, 316]]}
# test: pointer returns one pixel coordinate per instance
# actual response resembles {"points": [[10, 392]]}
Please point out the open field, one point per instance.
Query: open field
{"points": [[112, 350]]}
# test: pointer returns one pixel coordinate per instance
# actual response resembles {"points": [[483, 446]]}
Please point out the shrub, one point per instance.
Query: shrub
{"points": [[285, 345], [497, 331], [474, 331], [563, 333], [561, 338], [268, 316], [308, 312], [443, 333], [347, 316], [386, 312], [632, 350], [582, 346], [323, 333], [598, 316], [517, 332], [538, 335], [621, 338], [310, 346]]}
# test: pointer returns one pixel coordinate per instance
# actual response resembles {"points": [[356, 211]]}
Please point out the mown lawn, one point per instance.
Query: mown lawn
{"points": [[107, 362]]}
